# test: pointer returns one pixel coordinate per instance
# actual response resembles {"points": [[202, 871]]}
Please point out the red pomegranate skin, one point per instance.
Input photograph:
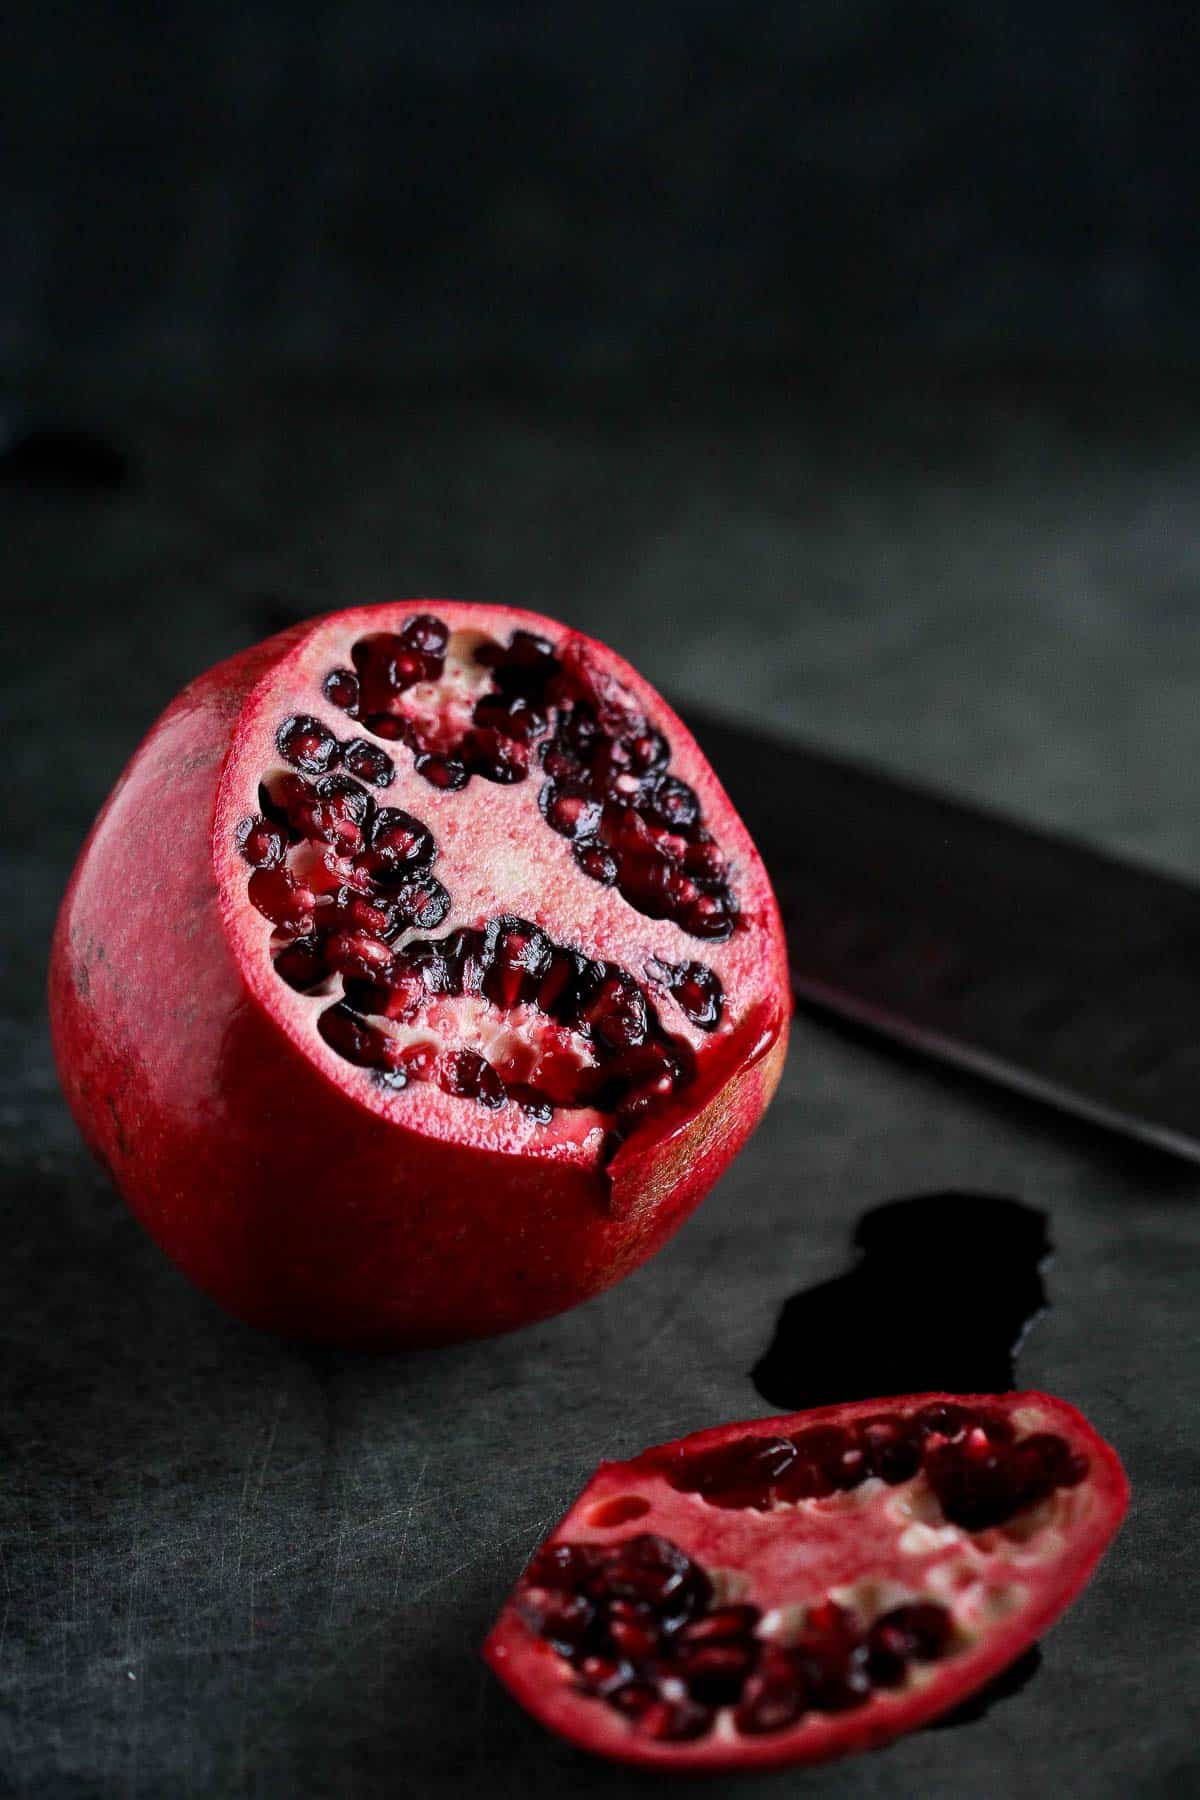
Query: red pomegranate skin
{"points": [[262, 1169], [870, 1548]]}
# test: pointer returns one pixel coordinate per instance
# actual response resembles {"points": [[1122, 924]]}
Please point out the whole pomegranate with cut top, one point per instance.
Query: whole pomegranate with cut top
{"points": [[792, 1589], [418, 978]]}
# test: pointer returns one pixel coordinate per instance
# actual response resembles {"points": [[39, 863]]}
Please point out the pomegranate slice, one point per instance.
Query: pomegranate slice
{"points": [[418, 978], [792, 1589]]}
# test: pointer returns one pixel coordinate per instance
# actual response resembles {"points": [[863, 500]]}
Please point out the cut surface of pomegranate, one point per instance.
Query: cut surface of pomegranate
{"points": [[792, 1589], [418, 978]]}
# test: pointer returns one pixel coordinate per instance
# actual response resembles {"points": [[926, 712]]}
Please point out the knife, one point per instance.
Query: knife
{"points": [[1018, 954]]}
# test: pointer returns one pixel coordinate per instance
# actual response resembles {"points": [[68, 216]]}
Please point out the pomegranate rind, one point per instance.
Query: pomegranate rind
{"points": [[306, 1200], [796, 1555]]}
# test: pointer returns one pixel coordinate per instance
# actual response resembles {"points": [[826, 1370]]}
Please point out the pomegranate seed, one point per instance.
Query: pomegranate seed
{"points": [[516, 955], [359, 956], [563, 1619], [278, 896], [708, 916], [340, 688], [714, 1673], [426, 634], [569, 814], [596, 861], [719, 1626], [891, 1450], [920, 1631], [302, 963], [535, 1105], [617, 1016], [421, 903], [564, 1565], [261, 843], [769, 1703], [307, 744], [467, 1075], [674, 1721], [390, 726], [496, 758], [399, 842], [369, 762], [649, 751], [697, 990], [446, 772], [353, 1038]]}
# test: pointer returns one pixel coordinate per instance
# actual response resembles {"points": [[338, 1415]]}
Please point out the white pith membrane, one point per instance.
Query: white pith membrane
{"points": [[977, 1578], [496, 859]]}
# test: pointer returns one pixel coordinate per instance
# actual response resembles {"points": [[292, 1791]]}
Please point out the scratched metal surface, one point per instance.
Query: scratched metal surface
{"points": [[237, 1568]]}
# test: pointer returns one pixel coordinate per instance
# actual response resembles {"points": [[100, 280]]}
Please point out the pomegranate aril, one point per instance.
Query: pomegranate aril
{"points": [[596, 861], [653, 1570], [770, 1702], [635, 1639], [353, 1039], [340, 688], [721, 1625], [920, 1631], [674, 804], [944, 1419], [463, 953], [533, 1104], [674, 1721], [892, 1452], [390, 726], [571, 815], [564, 1565], [400, 842], [468, 1076], [697, 991], [742, 1474], [709, 916], [493, 757], [302, 963], [836, 1452], [421, 903], [705, 864], [714, 1673], [649, 751], [633, 1699], [261, 843], [616, 1016], [1054, 1457], [513, 715], [563, 1619], [527, 654], [368, 762], [426, 634], [307, 745], [446, 772], [516, 955], [358, 956], [836, 1683], [278, 896]]}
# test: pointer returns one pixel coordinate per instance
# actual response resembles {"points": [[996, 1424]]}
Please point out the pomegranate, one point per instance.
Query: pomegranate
{"points": [[418, 978], [791, 1589]]}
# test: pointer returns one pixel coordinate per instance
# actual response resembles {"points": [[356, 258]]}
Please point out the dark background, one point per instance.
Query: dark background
{"points": [[836, 363]]}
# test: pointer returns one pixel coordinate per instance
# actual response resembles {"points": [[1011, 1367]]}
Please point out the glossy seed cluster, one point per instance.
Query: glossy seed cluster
{"points": [[640, 1626], [981, 1473], [607, 784], [346, 881]]}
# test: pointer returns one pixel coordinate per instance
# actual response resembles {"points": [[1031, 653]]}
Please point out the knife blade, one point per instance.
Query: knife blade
{"points": [[1019, 954]]}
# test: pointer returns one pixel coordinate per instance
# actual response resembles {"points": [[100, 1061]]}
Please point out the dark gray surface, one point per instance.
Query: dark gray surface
{"points": [[236, 1568]]}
